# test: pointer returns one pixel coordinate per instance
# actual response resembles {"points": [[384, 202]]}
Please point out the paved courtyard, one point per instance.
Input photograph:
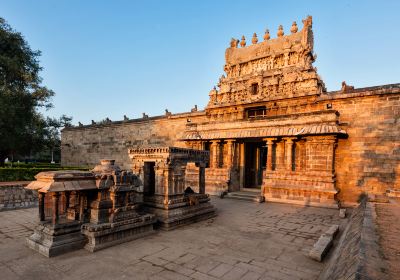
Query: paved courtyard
{"points": [[246, 241]]}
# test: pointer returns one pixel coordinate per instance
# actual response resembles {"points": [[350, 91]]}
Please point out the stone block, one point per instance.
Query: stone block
{"points": [[321, 247]]}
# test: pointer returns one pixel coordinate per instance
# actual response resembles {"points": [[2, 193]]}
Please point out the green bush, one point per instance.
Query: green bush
{"points": [[27, 174]]}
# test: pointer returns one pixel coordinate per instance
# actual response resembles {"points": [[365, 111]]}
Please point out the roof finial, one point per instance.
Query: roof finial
{"points": [[266, 35], [294, 27], [243, 42], [280, 31], [254, 40]]}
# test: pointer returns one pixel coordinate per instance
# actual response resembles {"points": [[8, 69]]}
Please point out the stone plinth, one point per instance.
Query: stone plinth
{"points": [[303, 189], [52, 240], [105, 235], [181, 210]]}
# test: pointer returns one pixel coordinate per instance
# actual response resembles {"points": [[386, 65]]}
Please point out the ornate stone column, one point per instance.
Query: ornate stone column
{"points": [[55, 198], [215, 153], [241, 164], [270, 143], [229, 156], [280, 155], [288, 153], [42, 215]]}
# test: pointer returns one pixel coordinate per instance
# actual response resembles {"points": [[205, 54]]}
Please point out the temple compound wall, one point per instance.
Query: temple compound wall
{"points": [[270, 126]]}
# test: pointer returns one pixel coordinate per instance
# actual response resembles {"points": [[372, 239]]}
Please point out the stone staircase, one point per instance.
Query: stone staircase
{"points": [[249, 195]]}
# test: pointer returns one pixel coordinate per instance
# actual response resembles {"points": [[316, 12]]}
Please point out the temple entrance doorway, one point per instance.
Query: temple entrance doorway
{"points": [[255, 159], [149, 184]]}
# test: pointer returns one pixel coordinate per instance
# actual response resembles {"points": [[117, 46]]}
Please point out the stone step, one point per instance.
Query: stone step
{"points": [[243, 195]]}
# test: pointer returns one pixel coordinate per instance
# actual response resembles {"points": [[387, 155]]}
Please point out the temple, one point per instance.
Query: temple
{"points": [[271, 128]]}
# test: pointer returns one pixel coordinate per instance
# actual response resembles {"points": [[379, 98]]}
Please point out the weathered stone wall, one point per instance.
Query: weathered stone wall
{"points": [[87, 145], [13, 195], [357, 255], [369, 159]]}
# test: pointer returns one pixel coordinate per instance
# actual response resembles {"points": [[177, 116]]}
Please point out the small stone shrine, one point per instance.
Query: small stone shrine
{"points": [[165, 194], [94, 210]]}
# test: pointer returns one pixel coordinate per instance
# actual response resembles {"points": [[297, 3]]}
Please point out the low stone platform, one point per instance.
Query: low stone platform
{"points": [[357, 254], [101, 236], [13, 195], [53, 240], [181, 210]]}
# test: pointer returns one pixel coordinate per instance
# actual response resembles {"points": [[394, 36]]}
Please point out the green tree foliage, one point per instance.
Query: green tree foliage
{"points": [[23, 130]]}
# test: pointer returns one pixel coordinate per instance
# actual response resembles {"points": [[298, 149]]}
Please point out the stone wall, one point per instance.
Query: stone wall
{"points": [[357, 255], [369, 159], [87, 145], [13, 195]]}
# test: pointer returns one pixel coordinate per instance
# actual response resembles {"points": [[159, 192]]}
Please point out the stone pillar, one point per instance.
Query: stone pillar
{"points": [[82, 207], [55, 198], [202, 179], [229, 156], [270, 143], [215, 153], [280, 155], [288, 154], [42, 215], [241, 164]]}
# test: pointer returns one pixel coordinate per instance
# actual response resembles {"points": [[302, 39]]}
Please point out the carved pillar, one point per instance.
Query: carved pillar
{"points": [[55, 198], [215, 153], [229, 156], [288, 153], [41, 206], [270, 143], [241, 164], [159, 179], [280, 155]]}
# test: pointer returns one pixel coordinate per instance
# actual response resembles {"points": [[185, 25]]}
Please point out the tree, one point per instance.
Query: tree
{"points": [[53, 139], [22, 127]]}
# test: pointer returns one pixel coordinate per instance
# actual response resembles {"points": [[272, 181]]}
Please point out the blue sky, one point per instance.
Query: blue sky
{"points": [[110, 58]]}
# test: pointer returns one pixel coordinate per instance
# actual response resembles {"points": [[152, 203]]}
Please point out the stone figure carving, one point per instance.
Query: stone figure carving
{"points": [[234, 43], [346, 87]]}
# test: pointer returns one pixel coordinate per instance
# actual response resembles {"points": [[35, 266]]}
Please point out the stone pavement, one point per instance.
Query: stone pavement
{"points": [[246, 241]]}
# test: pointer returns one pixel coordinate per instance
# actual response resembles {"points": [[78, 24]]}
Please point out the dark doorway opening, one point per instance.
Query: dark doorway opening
{"points": [[255, 163], [149, 184]]}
